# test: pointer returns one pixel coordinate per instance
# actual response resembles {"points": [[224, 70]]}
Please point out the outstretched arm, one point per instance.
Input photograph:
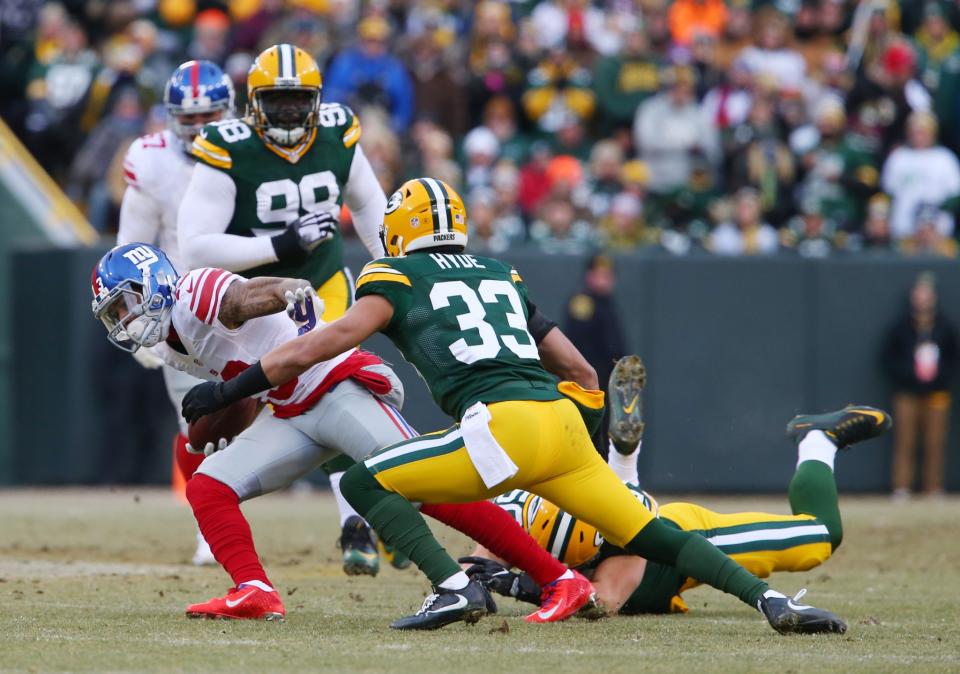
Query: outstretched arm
{"points": [[291, 359], [562, 358], [257, 297], [616, 578]]}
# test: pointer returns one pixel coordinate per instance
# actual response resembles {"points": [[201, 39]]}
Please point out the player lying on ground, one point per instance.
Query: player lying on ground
{"points": [[213, 323], [461, 320], [157, 168], [264, 199], [761, 542]]}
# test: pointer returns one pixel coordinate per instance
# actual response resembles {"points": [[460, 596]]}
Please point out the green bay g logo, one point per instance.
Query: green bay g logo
{"points": [[394, 202]]}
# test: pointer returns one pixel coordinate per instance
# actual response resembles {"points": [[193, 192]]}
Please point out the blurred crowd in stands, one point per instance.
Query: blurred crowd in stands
{"points": [[739, 127]]}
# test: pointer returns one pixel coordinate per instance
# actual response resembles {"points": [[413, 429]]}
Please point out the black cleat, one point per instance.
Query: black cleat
{"points": [[852, 424], [786, 616], [448, 606], [360, 556], [625, 388]]}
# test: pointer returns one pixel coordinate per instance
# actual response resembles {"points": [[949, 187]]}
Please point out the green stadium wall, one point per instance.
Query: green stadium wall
{"points": [[734, 348]]}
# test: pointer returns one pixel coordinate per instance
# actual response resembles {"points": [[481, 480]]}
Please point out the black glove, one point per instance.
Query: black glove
{"points": [[497, 578], [304, 235], [203, 399]]}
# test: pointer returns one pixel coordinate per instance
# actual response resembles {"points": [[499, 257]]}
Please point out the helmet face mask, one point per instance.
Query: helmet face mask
{"points": [[286, 115]]}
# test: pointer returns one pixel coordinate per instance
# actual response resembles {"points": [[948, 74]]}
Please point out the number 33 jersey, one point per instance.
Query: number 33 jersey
{"points": [[276, 185], [461, 321]]}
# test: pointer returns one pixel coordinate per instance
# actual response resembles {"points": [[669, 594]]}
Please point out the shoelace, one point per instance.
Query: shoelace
{"points": [[428, 603]]}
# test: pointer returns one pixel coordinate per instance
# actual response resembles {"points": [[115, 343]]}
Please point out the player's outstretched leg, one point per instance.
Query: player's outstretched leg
{"points": [[360, 557], [455, 597]]}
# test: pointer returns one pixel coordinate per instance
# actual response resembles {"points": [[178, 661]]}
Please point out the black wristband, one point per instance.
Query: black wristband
{"points": [[286, 245], [250, 382], [537, 323]]}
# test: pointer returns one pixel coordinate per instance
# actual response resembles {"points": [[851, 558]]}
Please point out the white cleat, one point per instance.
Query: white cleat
{"points": [[203, 556]]}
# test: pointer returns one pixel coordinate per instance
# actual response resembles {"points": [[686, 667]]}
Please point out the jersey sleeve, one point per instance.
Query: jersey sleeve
{"points": [[344, 120], [200, 293], [211, 148], [139, 170], [381, 278]]}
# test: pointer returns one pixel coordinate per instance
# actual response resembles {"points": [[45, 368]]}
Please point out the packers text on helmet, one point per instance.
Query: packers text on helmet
{"points": [[283, 90], [423, 213]]}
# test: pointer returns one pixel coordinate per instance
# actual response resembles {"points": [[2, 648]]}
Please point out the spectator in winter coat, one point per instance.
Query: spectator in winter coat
{"points": [[368, 74], [920, 355]]}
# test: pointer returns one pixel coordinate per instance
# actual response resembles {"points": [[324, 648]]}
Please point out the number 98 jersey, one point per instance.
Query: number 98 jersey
{"points": [[276, 185], [461, 321]]}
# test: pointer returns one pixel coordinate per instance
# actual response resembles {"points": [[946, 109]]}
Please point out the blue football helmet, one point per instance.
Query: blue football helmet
{"points": [[196, 88], [133, 294]]}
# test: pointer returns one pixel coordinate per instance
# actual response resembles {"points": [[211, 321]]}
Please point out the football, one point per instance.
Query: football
{"points": [[227, 423]]}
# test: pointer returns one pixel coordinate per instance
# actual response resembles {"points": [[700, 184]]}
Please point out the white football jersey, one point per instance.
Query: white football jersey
{"points": [[213, 352], [157, 171]]}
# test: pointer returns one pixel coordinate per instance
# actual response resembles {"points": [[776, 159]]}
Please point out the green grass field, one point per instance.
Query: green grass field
{"points": [[96, 581]]}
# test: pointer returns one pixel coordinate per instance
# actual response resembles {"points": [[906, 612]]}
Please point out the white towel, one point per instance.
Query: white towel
{"points": [[492, 463]]}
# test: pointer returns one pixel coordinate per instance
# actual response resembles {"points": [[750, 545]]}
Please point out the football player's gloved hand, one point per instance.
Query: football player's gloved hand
{"points": [[304, 308], [203, 399], [497, 578], [147, 358], [303, 235], [209, 448]]}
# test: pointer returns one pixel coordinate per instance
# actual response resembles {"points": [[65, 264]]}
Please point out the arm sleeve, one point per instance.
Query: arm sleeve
{"points": [[204, 216], [140, 218], [538, 323], [366, 201]]}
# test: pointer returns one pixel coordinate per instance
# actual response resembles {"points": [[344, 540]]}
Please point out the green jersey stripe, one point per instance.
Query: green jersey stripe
{"points": [[760, 545], [758, 526]]}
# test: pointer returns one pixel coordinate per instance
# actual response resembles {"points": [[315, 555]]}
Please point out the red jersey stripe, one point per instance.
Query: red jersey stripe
{"points": [[194, 288], [215, 309], [207, 290]]}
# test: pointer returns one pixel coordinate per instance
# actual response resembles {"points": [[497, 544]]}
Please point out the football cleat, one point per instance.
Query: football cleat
{"points": [[397, 559], [443, 607], [203, 555], [848, 426], [625, 389], [562, 598], [360, 556], [787, 616], [244, 602]]}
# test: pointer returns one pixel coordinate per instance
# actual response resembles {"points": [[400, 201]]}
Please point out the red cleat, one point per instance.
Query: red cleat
{"points": [[247, 602], [562, 598]]}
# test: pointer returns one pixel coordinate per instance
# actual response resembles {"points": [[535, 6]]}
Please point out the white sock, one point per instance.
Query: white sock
{"points": [[256, 583], [457, 581], [625, 466], [816, 446], [343, 507]]}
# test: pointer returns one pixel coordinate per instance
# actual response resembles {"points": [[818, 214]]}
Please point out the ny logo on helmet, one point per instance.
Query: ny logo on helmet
{"points": [[142, 257]]}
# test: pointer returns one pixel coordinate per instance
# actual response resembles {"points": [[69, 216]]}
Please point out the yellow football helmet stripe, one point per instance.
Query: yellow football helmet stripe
{"points": [[381, 276]]}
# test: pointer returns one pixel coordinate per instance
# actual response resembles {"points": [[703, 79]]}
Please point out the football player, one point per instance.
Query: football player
{"points": [[157, 168], [761, 542], [265, 199], [212, 323], [462, 321]]}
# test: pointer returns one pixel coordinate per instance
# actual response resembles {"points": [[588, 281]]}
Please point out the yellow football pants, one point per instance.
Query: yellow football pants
{"points": [[760, 542], [549, 444], [337, 295]]}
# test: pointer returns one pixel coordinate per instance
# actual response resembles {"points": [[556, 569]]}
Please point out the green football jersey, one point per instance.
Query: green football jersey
{"points": [[461, 321], [277, 185]]}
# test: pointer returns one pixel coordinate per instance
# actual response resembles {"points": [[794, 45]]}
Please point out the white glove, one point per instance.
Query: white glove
{"points": [[314, 229], [148, 358], [304, 308], [209, 448]]}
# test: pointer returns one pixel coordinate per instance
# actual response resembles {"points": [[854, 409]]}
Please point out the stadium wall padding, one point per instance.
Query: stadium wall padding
{"points": [[734, 348]]}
